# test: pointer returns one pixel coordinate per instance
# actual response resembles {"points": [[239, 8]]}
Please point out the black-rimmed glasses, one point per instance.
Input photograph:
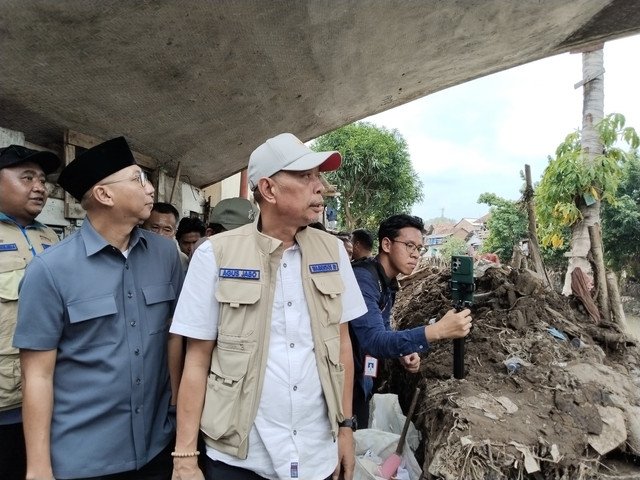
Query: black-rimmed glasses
{"points": [[412, 247]]}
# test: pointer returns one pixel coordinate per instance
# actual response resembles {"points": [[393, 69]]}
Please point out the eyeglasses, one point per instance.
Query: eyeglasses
{"points": [[412, 247], [141, 177]]}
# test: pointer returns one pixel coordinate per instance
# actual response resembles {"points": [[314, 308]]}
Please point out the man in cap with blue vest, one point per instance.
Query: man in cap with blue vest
{"points": [[93, 321], [23, 195], [265, 307]]}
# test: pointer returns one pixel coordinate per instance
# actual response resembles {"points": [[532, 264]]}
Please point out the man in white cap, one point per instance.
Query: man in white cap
{"points": [[268, 371]]}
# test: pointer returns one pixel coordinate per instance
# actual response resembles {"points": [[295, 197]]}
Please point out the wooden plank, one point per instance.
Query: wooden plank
{"points": [[72, 208], [81, 140], [87, 141]]}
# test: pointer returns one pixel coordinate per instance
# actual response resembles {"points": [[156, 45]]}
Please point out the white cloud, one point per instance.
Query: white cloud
{"points": [[477, 137]]}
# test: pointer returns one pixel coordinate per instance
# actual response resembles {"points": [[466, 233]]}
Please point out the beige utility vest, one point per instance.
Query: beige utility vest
{"points": [[15, 254], [248, 263]]}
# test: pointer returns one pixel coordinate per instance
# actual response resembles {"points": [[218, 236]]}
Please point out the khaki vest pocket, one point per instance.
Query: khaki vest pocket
{"points": [[332, 287], [9, 283], [236, 298], [11, 391], [336, 374], [221, 413]]}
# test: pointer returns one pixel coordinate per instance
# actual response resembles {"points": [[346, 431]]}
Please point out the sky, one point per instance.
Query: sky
{"points": [[477, 137]]}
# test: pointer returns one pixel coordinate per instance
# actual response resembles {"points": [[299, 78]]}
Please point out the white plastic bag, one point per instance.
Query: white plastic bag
{"points": [[383, 445], [377, 443]]}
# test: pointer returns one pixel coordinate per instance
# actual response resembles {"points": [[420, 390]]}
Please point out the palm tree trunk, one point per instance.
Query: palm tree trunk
{"points": [[592, 113]]}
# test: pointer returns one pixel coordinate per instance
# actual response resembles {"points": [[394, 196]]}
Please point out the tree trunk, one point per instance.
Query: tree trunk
{"points": [[534, 248], [600, 278], [516, 258], [592, 113], [617, 312]]}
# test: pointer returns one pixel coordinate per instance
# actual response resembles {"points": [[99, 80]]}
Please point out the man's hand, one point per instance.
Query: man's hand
{"points": [[411, 362], [346, 455], [186, 468], [452, 325]]}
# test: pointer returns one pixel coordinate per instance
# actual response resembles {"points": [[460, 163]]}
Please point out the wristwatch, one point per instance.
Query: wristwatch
{"points": [[351, 423]]}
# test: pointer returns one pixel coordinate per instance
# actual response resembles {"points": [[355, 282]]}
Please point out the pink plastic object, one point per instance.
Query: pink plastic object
{"points": [[391, 464]]}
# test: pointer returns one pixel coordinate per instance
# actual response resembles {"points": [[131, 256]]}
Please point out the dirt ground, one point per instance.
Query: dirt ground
{"points": [[571, 409]]}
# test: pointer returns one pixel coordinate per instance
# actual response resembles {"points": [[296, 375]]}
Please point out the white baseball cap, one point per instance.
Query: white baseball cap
{"points": [[287, 152]]}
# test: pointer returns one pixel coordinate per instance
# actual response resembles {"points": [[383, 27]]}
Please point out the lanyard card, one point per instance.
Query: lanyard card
{"points": [[370, 366]]}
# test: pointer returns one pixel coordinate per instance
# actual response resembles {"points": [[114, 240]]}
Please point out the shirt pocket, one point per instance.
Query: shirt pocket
{"points": [[158, 300], [12, 267], [93, 321], [238, 304], [330, 287]]}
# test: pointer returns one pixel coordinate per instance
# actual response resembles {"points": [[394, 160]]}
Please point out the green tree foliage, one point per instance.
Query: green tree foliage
{"points": [[376, 178], [569, 181], [621, 222], [507, 225], [453, 246]]}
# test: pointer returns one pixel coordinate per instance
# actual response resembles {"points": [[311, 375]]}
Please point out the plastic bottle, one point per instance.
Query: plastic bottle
{"points": [[513, 365]]}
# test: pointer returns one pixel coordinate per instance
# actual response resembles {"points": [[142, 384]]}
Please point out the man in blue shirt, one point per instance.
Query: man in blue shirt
{"points": [[400, 247], [93, 328]]}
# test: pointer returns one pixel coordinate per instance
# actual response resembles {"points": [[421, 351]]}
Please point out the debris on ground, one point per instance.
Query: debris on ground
{"points": [[547, 392]]}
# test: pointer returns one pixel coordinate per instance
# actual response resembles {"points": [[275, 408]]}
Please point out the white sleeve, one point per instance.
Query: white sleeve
{"points": [[196, 314], [353, 305]]}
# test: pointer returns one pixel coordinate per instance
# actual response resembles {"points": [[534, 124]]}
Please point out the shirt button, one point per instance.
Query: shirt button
{"points": [[292, 345], [137, 351], [137, 410], [289, 304], [133, 323], [138, 381], [129, 294], [126, 265], [284, 265], [295, 432], [295, 388]]}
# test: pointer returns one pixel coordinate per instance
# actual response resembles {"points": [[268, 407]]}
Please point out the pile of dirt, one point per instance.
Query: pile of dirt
{"points": [[569, 409]]}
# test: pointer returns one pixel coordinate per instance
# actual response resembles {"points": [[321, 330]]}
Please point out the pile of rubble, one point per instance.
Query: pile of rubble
{"points": [[547, 393]]}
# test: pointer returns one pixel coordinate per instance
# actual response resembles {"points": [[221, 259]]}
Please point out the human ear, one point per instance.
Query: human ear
{"points": [[385, 246], [103, 194], [266, 186]]}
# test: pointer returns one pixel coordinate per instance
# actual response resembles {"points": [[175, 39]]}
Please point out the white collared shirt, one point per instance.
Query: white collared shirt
{"points": [[291, 430]]}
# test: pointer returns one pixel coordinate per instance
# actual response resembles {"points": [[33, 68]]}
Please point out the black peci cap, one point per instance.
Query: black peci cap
{"points": [[97, 163]]}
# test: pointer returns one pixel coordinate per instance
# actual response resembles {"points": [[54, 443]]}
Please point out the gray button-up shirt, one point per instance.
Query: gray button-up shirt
{"points": [[107, 316]]}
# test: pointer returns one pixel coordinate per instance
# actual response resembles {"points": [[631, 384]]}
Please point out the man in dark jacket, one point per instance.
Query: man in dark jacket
{"points": [[400, 248]]}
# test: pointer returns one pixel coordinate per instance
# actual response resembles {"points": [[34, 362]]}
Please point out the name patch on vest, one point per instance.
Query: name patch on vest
{"points": [[7, 247], [239, 273], [323, 267]]}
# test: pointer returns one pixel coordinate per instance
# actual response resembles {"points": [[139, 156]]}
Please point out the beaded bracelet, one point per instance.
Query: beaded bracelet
{"points": [[185, 454]]}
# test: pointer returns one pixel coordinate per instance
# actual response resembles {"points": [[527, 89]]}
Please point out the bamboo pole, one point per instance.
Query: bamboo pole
{"points": [[534, 248]]}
